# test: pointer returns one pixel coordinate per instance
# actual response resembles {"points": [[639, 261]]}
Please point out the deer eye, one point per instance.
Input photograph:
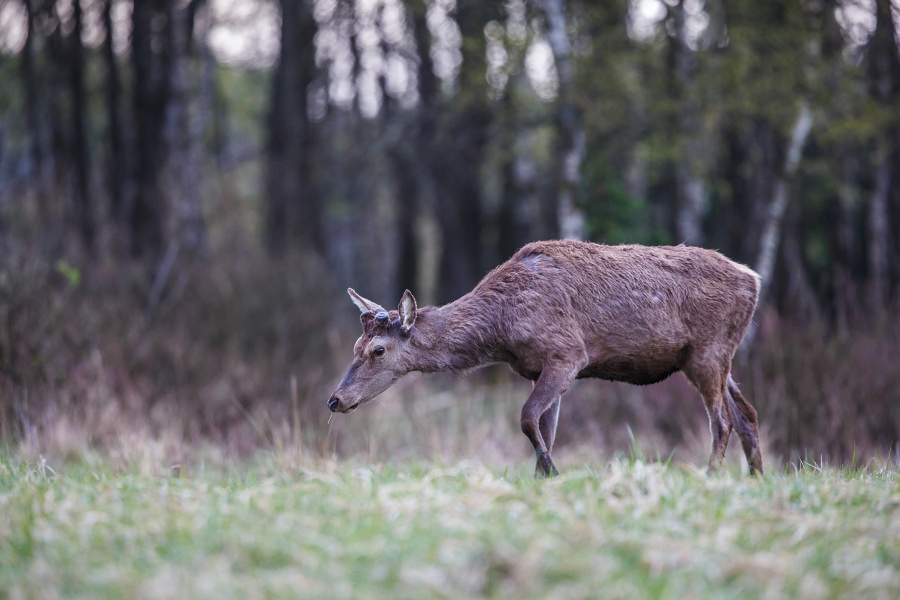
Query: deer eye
{"points": [[378, 351]]}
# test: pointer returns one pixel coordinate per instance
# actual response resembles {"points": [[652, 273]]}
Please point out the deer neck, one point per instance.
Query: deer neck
{"points": [[453, 337]]}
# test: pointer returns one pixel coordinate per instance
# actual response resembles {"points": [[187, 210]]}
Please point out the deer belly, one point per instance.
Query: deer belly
{"points": [[640, 370]]}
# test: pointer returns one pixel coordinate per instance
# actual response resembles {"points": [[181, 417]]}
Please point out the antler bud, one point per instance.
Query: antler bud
{"points": [[381, 317]]}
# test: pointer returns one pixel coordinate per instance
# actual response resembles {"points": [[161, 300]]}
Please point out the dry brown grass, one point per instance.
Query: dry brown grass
{"points": [[244, 356]]}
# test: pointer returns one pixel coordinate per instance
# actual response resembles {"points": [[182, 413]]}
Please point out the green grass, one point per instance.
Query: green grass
{"points": [[628, 529]]}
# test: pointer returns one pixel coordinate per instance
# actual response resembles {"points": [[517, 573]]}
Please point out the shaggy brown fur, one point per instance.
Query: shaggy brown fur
{"points": [[561, 310]]}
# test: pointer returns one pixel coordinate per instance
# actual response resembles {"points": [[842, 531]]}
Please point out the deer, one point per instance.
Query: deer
{"points": [[562, 310]]}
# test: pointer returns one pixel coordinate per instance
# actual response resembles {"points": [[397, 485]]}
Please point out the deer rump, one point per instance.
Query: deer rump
{"points": [[561, 310]]}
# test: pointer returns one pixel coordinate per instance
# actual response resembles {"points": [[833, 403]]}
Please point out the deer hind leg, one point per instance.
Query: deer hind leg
{"points": [[711, 384], [552, 383], [746, 426], [548, 423]]}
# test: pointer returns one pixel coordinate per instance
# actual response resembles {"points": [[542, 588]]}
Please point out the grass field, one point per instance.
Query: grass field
{"points": [[273, 528]]}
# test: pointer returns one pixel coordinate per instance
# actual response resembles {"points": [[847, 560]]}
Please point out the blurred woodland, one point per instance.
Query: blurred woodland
{"points": [[187, 187]]}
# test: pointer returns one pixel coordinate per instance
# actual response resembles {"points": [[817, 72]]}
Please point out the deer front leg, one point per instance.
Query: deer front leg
{"points": [[537, 425], [548, 423]]}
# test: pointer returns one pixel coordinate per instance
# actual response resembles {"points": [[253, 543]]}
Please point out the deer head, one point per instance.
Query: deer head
{"points": [[381, 355]]}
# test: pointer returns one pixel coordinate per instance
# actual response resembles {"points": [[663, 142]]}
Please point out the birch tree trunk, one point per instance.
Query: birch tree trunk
{"points": [[692, 197], [883, 66], [771, 236], [877, 228], [569, 127], [185, 126], [186, 120]]}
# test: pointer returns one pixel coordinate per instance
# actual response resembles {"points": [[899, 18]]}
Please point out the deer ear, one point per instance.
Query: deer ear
{"points": [[362, 304], [407, 311]]}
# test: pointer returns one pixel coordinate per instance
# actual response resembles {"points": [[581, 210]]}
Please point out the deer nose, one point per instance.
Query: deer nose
{"points": [[333, 402]]}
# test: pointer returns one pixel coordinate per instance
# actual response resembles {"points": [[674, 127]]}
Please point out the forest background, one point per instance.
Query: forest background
{"points": [[187, 187]]}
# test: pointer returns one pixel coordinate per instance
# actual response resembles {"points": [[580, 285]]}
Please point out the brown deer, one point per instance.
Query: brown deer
{"points": [[564, 310]]}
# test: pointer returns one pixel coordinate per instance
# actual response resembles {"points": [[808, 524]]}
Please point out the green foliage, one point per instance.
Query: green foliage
{"points": [[613, 216], [245, 95], [10, 105], [70, 273], [624, 530]]}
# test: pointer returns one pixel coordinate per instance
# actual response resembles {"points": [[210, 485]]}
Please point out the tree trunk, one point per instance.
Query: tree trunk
{"points": [[771, 234], [80, 149], [691, 189], [116, 160], [418, 176], [407, 213], [801, 299], [569, 128], [845, 294], [59, 152], [460, 219], [883, 64], [877, 229], [150, 61], [845, 237], [510, 231], [186, 120], [457, 154], [29, 79], [401, 151], [458, 200], [294, 213]]}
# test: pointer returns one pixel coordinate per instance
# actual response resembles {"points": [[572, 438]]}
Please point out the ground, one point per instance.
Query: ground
{"points": [[294, 528]]}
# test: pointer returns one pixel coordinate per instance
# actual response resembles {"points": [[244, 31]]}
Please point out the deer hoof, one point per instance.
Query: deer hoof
{"points": [[545, 467]]}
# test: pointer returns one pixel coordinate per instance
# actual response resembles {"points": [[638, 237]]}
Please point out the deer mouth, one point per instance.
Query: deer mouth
{"points": [[350, 409]]}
